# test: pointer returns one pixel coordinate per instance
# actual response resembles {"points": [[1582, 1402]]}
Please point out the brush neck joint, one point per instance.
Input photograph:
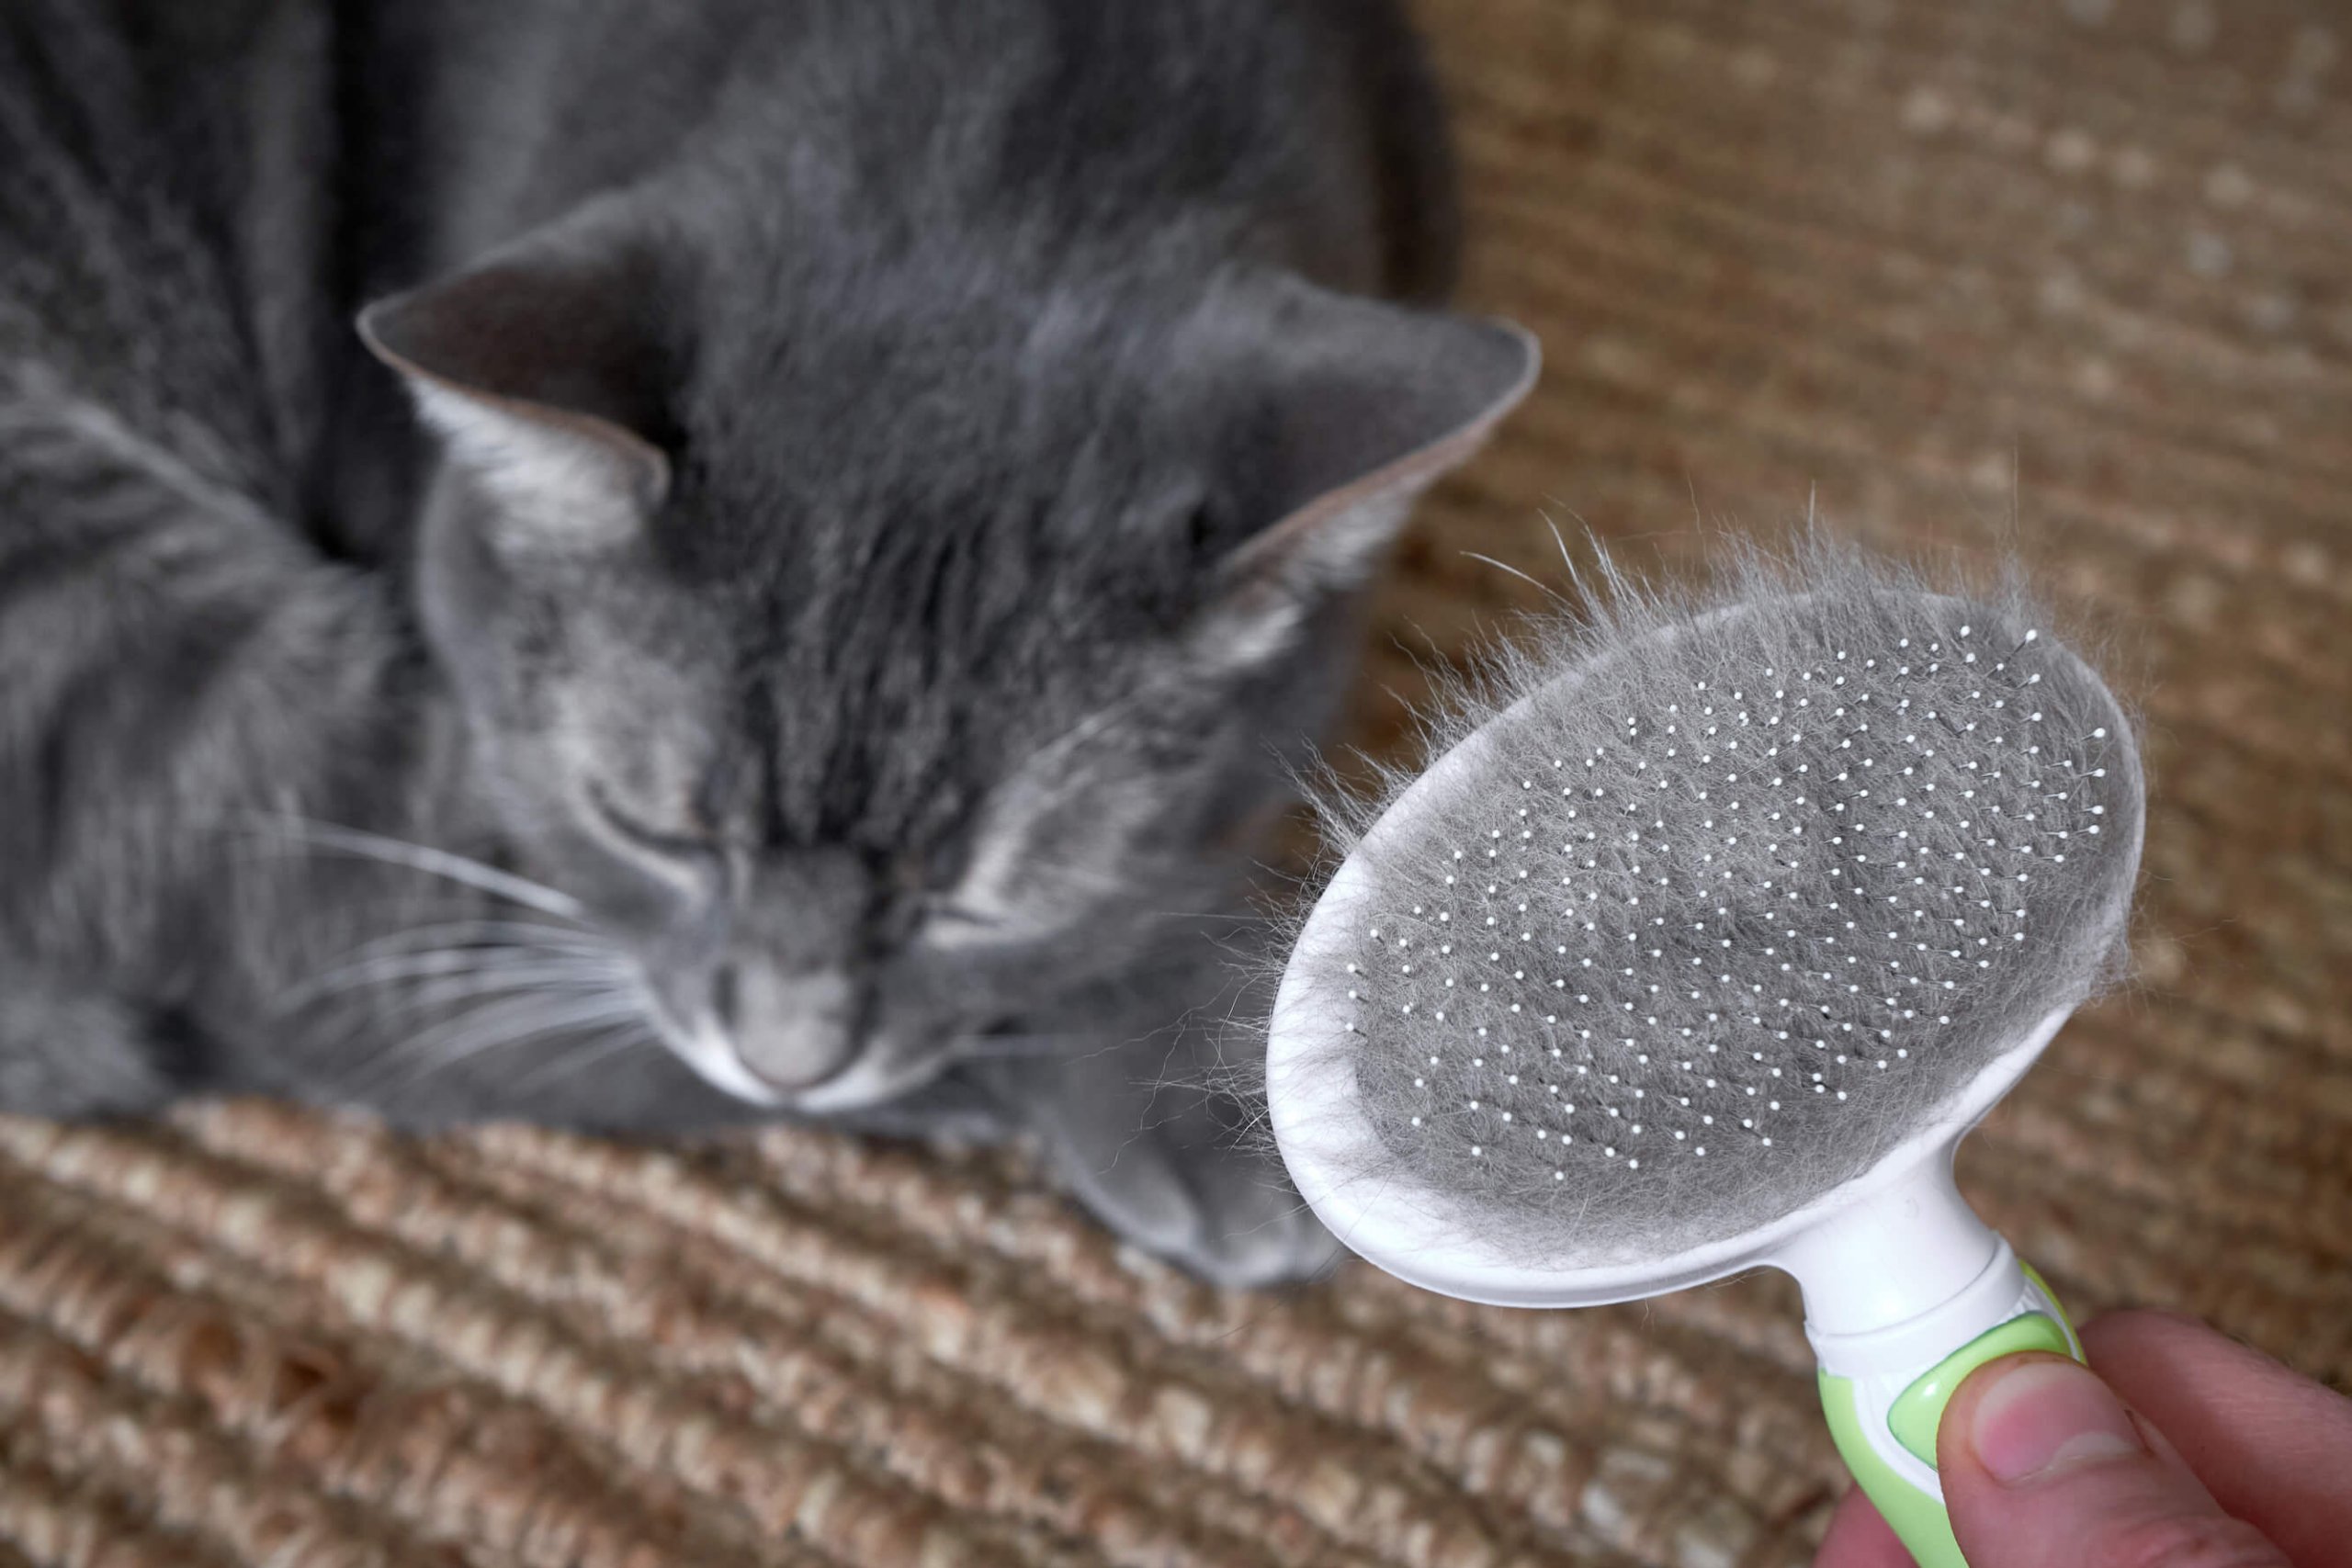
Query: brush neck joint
{"points": [[1902, 1252]]}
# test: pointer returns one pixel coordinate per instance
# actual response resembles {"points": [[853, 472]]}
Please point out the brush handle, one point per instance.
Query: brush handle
{"points": [[1885, 1392]]}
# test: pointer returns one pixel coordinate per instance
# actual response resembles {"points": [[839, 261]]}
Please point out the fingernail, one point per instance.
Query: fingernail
{"points": [[2043, 1415]]}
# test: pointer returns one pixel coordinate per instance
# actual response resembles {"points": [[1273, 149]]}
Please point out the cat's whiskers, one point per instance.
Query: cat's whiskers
{"points": [[498, 1025], [994, 1047], [456, 962], [591, 1049], [445, 863], [480, 987], [505, 946], [483, 933]]}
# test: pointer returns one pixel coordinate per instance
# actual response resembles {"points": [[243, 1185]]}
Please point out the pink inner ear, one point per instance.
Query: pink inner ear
{"points": [[1469, 375], [560, 320], [542, 368]]}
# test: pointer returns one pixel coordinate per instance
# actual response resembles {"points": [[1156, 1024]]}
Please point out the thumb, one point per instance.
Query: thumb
{"points": [[2043, 1467]]}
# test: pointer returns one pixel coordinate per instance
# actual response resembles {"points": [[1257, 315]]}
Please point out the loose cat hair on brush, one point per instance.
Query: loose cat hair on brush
{"points": [[1723, 891]]}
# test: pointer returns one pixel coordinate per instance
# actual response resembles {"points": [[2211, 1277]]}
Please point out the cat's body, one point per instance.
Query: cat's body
{"points": [[908, 466]]}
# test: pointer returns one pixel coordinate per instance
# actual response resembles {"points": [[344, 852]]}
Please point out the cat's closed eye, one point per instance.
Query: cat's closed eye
{"points": [[934, 901], [956, 920], [946, 913], [685, 843]]}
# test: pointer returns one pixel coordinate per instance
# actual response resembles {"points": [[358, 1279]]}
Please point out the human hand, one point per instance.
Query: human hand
{"points": [[2186, 1451]]}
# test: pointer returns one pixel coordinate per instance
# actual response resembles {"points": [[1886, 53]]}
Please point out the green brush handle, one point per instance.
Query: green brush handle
{"points": [[1883, 1411]]}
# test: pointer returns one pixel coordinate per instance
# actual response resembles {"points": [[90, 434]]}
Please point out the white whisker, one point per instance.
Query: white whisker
{"points": [[498, 1025], [487, 934], [985, 1047], [443, 864], [449, 991], [593, 1047], [502, 966]]}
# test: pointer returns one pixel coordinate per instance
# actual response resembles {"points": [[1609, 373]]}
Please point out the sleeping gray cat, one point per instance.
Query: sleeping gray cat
{"points": [[892, 488]]}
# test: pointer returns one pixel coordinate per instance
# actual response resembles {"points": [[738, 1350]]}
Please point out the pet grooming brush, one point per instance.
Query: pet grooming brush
{"points": [[1700, 948]]}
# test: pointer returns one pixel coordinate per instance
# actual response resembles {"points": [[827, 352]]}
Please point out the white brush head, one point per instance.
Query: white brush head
{"points": [[1717, 908]]}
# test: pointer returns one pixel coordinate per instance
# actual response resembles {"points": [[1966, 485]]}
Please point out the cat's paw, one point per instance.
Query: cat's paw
{"points": [[1171, 1167], [1228, 1214]]}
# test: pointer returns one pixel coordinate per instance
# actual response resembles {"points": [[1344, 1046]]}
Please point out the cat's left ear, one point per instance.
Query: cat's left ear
{"points": [[1361, 405], [541, 369]]}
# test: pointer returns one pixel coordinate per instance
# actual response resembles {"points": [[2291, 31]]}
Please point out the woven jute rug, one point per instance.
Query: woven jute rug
{"points": [[2070, 276]]}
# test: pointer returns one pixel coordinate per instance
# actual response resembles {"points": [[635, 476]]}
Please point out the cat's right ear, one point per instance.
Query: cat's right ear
{"points": [[541, 370], [1355, 407]]}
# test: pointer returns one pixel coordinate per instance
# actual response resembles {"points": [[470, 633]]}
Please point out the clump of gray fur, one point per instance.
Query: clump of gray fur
{"points": [[1739, 889]]}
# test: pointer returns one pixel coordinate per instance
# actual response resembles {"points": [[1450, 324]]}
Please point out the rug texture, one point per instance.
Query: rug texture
{"points": [[2070, 275]]}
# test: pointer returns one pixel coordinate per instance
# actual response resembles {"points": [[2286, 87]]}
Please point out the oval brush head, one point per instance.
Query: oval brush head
{"points": [[1715, 905]]}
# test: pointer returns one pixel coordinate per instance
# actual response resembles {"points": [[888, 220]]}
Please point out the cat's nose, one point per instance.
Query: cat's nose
{"points": [[792, 1031]]}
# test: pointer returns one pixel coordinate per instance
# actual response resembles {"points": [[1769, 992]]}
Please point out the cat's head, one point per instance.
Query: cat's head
{"points": [[884, 666]]}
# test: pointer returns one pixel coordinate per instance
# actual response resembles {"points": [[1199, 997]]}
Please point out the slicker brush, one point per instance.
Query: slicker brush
{"points": [[1711, 929]]}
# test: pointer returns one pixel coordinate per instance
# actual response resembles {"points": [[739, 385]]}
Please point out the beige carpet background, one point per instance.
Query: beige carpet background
{"points": [[2074, 273]]}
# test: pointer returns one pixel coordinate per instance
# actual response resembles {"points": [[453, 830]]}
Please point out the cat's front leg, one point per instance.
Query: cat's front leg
{"points": [[1160, 1140], [68, 1051]]}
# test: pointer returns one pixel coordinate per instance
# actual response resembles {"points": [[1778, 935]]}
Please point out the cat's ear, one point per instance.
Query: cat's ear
{"points": [[1358, 405], [540, 368]]}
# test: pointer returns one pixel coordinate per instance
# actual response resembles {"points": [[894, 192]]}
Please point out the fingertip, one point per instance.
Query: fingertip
{"points": [[1858, 1537], [2043, 1466], [2031, 1416], [1955, 1434]]}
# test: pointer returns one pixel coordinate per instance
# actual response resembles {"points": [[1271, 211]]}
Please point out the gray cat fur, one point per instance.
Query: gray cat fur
{"points": [[904, 469], [1743, 886]]}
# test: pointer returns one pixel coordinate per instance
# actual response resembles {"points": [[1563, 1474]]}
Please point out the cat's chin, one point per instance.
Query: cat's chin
{"points": [[874, 1077], [714, 1060]]}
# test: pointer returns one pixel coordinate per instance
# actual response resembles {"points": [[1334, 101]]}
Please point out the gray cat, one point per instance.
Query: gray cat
{"points": [[891, 489]]}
